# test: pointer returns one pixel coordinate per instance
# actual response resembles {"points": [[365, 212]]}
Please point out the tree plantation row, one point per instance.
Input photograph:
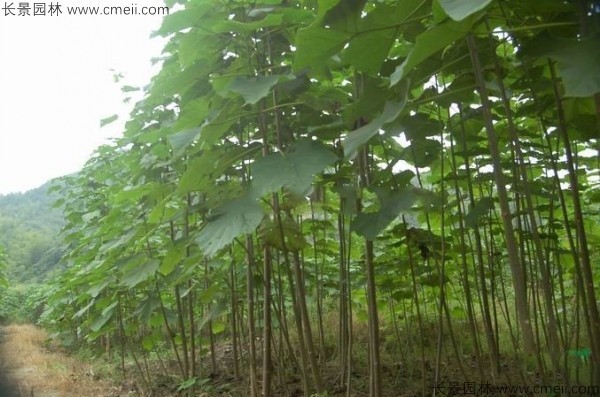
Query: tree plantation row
{"points": [[347, 198]]}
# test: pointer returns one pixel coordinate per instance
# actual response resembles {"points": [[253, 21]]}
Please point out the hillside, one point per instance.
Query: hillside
{"points": [[29, 228]]}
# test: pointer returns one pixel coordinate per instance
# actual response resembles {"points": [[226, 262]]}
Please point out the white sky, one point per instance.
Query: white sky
{"points": [[56, 85]]}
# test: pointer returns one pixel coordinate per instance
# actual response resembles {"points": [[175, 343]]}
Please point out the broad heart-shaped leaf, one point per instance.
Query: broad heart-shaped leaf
{"points": [[316, 45], [430, 42], [343, 16], [460, 9], [325, 6], [578, 61], [368, 51], [220, 122], [199, 44], [210, 165], [360, 136], [209, 132], [481, 208], [97, 287], [375, 93], [336, 23], [138, 270], [271, 234], [253, 89], [294, 170], [422, 152], [376, 33], [186, 18], [193, 113], [215, 312], [120, 241], [370, 224], [229, 25], [237, 217], [147, 307], [174, 255], [182, 139], [420, 125], [171, 80], [99, 322]]}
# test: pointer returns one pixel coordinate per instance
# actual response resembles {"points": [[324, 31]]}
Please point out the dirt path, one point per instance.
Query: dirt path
{"points": [[6, 388], [28, 368]]}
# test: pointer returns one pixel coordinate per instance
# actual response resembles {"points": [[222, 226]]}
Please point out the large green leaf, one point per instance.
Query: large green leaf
{"points": [[370, 46], [138, 270], [100, 321], [318, 42], [97, 287], [370, 224], [253, 89], [173, 81], [190, 44], [232, 219], [324, 6], [294, 170], [481, 208], [174, 256], [203, 170], [375, 93], [343, 16], [215, 312], [368, 51], [85, 309], [272, 234], [430, 42], [119, 241], [147, 307], [191, 16], [577, 60], [182, 139], [419, 126], [193, 113], [460, 9], [220, 122], [248, 27], [134, 193], [360, 136], [316, 45], [215, 125], [422, 152]]}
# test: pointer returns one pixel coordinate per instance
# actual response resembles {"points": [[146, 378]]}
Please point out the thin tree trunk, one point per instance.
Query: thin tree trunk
{"points": [[584, 254], [251, 322], [517, 270]]}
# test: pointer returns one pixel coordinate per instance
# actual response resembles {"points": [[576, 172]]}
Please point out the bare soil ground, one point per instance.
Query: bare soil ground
{"points": [[31, 369]]}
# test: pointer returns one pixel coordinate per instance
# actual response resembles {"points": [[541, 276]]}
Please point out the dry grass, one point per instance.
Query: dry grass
{"points": [[31, 366]]}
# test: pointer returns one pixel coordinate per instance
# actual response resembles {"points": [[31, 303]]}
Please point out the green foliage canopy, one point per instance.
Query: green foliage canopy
{"points": [[271, 118]]}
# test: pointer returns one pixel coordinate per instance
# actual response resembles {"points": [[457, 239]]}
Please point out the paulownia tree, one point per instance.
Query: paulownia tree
{"points": [[296, 163]]}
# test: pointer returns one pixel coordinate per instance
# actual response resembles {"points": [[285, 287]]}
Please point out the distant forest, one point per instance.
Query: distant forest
{"points": [[29, 228]]}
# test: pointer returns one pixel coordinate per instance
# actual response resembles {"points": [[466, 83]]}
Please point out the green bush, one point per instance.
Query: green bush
{"points": [[22, 303]]}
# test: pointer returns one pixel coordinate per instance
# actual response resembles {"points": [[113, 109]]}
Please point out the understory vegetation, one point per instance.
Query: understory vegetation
{"points": [[30, 252], [335, 197]]}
